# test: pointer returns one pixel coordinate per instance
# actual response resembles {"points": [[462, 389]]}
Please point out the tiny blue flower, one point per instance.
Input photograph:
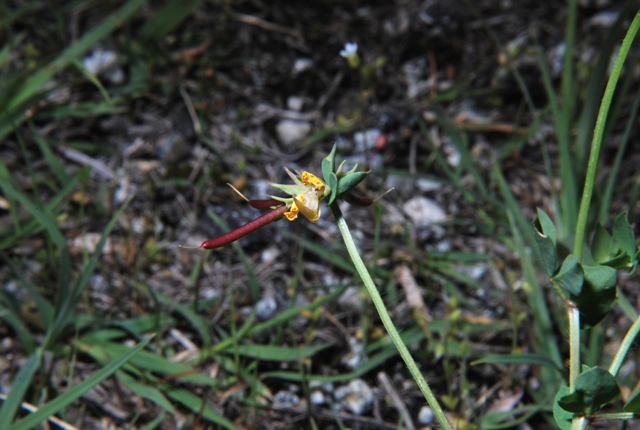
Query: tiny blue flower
{"points": [[350, 50]]}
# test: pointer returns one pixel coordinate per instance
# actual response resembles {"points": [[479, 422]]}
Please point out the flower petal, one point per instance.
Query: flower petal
{"points": [[309, 205], [313, 180], [292, 214]]}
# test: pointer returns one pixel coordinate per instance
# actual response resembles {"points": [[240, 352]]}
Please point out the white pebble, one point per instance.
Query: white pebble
{"points": [[426, 415], [266, 307], [357, 396], [291, 132], [423, 211], [302, 65], [295, 103]]}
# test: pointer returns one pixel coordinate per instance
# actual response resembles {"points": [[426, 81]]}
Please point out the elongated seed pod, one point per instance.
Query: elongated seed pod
{"points": [[236, 234], [265, 204], [357, 200]]}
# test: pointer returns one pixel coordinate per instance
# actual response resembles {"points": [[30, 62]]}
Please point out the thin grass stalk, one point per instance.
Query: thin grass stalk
{"points": [[598, 134], [626, 344], [615, 167], [386, 319], [563, 123]]}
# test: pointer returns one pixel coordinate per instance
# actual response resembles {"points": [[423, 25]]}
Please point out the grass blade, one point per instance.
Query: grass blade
{"points": [[63, 400], [41, 217], [167, 19], [279, 353], [20, 386], [70, 299], [197, 405], [13, 110]]}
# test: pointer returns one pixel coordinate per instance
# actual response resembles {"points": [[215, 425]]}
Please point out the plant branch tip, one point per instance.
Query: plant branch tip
{"points": [[238, 192], [189, 247], [383, 194]]}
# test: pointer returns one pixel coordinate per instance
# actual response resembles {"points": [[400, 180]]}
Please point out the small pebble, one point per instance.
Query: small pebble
{"points": [[302, 65], [270, 255], [423, 211], [266, 307], [357, 397], [351, 298], [98, 283], [355, 357], [104, 62], [173, 148], [426, 415], [292, 132], [366, 140], [604, 19], [286, 398], [317, 397], [295, 103]]}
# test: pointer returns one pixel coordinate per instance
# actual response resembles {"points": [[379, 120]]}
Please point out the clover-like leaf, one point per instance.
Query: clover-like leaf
{"points": [[545, 237], [601, 246], [623, 235], [570, 277], [598, 294], [562, 416], [593, 389], [633, 405], [548, 228], [617, 250]]}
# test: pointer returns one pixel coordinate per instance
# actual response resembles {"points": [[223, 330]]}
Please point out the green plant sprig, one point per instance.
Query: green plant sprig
{"points": [[386, 319]]}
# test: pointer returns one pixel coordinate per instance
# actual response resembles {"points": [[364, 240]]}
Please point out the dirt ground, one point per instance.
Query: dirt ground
{"points": [[241, 90]]}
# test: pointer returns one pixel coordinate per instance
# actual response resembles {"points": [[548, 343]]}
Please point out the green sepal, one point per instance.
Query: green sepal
{"points": [[351, 171], [593, 389], [292, 190], [329, 165], [295, 177], [350, 181], [286, 200], [332, 183]]}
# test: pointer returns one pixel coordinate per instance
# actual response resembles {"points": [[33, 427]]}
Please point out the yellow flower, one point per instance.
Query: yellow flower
{"points": [[308, 201], [313, 180]]}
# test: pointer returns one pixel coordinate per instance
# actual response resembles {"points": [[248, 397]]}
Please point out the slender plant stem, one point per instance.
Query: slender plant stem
{"points": [[598, 133], [579, 423], [574, 345], [386, 319], [628, 340], [581, 226]]}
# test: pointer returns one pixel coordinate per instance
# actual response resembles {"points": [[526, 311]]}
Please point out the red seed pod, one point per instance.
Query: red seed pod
{"points": [[236, 234], [265, 204]]}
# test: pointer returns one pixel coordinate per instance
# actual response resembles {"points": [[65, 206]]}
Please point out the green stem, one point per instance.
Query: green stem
{"points": [[386, 319], [574, 345], [597, 136], [581, 227], [579, 423], [628, 340]]}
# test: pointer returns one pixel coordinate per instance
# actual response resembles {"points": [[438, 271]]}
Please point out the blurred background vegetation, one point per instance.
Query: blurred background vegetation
{"points": [[121, 123]]}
